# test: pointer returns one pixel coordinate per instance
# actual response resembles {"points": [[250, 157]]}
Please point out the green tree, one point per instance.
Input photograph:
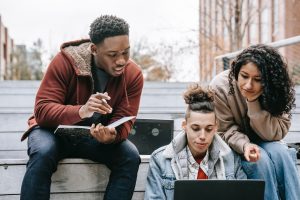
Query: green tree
{"points": [[28, 64], [146, 56], [20, 68], [36, 61], [158, 60]]}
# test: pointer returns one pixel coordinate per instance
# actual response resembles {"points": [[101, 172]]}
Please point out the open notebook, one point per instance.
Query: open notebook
{"points": [[75, 131]]}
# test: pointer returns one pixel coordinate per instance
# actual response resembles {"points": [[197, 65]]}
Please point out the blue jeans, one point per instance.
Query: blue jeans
{"points": [[45, 150], [277, 166]]}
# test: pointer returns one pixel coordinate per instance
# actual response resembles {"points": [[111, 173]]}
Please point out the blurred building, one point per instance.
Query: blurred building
{"points": [[229, 25], [6, 50]]}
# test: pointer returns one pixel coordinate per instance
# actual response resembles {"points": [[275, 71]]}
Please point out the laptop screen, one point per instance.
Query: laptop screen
{"points": [[219, 189]]}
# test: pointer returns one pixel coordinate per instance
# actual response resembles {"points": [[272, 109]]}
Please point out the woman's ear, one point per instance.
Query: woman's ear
{"points": [[183, 125]]}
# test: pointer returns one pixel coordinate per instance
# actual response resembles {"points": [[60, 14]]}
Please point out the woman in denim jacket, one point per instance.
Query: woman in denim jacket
{"points": [[196, 153]]}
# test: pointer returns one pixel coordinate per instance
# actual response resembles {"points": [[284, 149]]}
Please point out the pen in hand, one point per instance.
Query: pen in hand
{"points": [[96, 103], [104, 97]]}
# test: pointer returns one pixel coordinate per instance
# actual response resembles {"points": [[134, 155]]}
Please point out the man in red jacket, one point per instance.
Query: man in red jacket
{"points": [[94, 83]]}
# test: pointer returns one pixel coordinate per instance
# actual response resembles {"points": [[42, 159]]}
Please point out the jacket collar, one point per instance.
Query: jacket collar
{"points": [[219, 148], [216, 149], [177, 144]]}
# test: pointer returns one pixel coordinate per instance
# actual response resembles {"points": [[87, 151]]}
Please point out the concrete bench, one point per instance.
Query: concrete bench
{"points": [[159, 101], [67, 183]]}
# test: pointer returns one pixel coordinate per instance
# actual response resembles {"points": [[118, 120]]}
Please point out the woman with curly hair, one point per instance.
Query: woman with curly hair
{"points": [[195, 153], [253, 105]]}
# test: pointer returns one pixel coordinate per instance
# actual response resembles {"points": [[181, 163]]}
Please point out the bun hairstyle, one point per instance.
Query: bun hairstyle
{"points": [[198, 99]]}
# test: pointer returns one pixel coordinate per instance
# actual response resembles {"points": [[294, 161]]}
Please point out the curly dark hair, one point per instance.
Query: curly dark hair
{"points": [[198, 99], [107, 26], [278, 95]]}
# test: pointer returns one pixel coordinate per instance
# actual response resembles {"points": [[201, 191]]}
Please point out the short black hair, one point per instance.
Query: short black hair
{"points": [[107, 26], [278, 95]]}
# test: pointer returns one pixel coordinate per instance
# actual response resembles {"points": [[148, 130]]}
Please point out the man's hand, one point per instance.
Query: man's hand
{"points": [[251, 152], [103, 134], [96, 103]]}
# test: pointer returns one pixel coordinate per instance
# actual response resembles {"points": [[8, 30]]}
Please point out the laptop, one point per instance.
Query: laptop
{"points": [[219, 189]]}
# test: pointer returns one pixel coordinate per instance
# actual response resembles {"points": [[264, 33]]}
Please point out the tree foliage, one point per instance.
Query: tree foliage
{"points": [[147, 57], [20, 68], [158, 60], [28, 64], [36, 62], [235, 17]]}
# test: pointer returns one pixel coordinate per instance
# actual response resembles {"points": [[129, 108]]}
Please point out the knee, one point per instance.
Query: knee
{"points": [[277, 151], [134, 156], [131, 154], [44, 152], [262, 165], [264, 161], [42, 148]]}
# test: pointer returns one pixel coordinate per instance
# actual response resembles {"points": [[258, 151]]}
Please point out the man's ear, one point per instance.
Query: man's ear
{"points": [[94, 49]]}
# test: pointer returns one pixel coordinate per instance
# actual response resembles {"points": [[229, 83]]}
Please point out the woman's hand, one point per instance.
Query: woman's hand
{"points": [[96, 103], [254, 97], [251, 152], [103, 134]]}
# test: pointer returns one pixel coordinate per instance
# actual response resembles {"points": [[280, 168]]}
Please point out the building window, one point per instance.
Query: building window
{"points": [[4, 51]]}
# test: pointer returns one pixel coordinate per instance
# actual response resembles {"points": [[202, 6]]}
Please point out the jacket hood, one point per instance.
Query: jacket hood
{"points": [[79, 54]]}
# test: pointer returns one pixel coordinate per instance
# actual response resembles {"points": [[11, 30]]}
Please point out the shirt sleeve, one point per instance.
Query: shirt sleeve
{"points": [[154, 188], [228, 129], [268, 127], [50, 110]]}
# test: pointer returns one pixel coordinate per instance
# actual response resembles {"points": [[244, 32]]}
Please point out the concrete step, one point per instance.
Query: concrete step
{"points": [[36, 84], [75, 196], [67, 183], [154, 93], [157, 99], [17, 121]]}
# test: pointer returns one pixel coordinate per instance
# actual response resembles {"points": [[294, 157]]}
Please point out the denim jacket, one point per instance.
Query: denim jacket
{"points": [[169, 163]]}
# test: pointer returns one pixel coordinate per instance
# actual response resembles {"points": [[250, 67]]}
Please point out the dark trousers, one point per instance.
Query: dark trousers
{"points": [[45, 150]]}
